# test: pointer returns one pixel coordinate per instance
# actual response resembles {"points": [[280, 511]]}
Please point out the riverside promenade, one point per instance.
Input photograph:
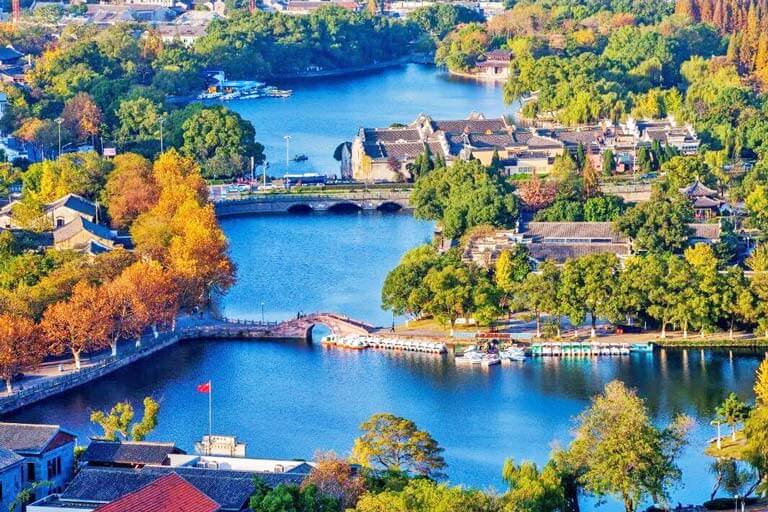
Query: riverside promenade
{"points": [[60, 375]]}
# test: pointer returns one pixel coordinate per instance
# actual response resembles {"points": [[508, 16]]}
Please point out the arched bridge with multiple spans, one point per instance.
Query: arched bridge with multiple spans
{"points": [[382, 200], [295, 328]]}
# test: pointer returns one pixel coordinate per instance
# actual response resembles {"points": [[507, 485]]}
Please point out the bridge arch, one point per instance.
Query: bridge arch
{"points": [[300, 208], [302, 326], [345, 207], [389, 206]]}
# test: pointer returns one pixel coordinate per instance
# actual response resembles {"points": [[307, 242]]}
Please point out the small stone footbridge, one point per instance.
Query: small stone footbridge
{"points": [[296, 328]]}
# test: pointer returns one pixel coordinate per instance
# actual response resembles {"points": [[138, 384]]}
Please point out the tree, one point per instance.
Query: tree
{"points": [[82, 117], [130, 189], [404, 291], [538, 292], [536, 193], [590, 180], [119, 421], [420, 495], [621, 452], [732, 412], [609, 162], [291, 498], [396, 444], [644, 161], [218, 133], [531, 490], [139, 120], [20, 347], [603, 208], [512, 266], [756, 205], [78, 324], [658, 225], [335, 477], [451, 290], [153, 295], [591, 285]]}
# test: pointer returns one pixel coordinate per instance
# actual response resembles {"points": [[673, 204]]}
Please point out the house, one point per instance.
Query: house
{"points": [[11, 476], [9, 56], [169, 493], [300, 7], [186, 34], [228, 481], [84, 236], [128, 454], [561, 241], [48, 451], [60, 212], [495, 65], [705, 201]]}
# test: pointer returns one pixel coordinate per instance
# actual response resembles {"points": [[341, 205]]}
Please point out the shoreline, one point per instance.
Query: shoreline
{"points": [[476, 77], [363, 68]]}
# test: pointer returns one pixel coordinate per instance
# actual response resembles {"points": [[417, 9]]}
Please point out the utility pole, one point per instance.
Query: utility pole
{"points": [[58, 122], [162, 121], [287, 149], [264, 170]]}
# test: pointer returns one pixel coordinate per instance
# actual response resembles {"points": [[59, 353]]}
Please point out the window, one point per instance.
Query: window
{"points": [[31, 472], [54, 467]]}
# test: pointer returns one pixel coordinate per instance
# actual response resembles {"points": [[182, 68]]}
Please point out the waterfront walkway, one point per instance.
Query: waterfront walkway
{"points": [[60, 375]]}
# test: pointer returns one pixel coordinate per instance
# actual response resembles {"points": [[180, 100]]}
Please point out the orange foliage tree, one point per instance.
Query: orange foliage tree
{"points": [[81, 116], [153, 292], [335, 477], [20, 346], [130, 190], [78, 324]]}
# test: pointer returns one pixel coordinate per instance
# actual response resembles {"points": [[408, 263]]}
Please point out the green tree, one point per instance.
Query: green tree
{"points": [[603, 208], [609, 162], [591, 286], [420, 495], [451, 289], [512, 267], [531, 490], [622, 453], [658, 225], [732, 412], [538, 292], [119, 421], [396, 444], [139, 120]]}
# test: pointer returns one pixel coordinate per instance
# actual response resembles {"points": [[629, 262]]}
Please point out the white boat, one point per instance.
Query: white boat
{"points": [[606, 350], [513, 354], [624, 349], [615, 351], [328, 340], [471, 358], [490, 360]]}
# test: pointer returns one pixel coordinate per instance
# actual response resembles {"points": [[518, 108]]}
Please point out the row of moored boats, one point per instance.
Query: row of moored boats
{"points": [[384, 343], [585, 349], [475, 356]]}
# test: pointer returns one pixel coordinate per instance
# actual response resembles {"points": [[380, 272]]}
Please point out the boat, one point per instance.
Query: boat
{"points": [[624, 349], [536, 349], [471, 358], [615, 351], [605, 350], [641, 347], [513, 354], [357, 344], [328, 340], [490, 360], [300, 158]]}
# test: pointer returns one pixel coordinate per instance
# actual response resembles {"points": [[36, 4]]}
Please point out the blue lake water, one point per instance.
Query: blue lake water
{"points": [[287, 399], [322, 113]]}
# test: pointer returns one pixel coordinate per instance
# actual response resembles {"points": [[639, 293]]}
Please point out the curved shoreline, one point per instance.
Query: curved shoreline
{"points": [[364, 68]]}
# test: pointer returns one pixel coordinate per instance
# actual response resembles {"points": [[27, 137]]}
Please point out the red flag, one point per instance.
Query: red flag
{"points": [[204, 388]]}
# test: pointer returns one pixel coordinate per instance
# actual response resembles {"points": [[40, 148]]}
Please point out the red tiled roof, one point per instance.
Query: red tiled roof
{"points": [[169, 493]]}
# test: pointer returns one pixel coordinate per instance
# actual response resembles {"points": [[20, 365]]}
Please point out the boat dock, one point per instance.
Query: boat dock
{"points": [[384, 343], [586, 349]]}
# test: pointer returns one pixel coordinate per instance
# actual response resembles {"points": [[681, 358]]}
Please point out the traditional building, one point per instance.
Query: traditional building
{"points": [[84, 236], [169, 493], [706, 202], [561, 241], [495, 65], [48, 452], [11, 477], [128, 454], [60, 212]]}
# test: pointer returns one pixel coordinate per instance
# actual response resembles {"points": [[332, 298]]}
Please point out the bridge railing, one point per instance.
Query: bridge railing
{"points": [[250, 323]]}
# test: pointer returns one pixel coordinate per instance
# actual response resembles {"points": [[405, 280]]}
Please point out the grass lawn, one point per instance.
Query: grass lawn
{"points": [[730, 449], [432, 325]]}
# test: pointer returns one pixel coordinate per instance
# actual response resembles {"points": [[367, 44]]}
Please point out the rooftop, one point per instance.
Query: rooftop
{"points": [[24, 438], [169, 493], [133, 453], [8, 458]]}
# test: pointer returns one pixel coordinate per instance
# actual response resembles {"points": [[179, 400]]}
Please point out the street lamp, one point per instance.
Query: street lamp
{"points": [[161, 121], [287, 148], [262, 312], [58, 122]]}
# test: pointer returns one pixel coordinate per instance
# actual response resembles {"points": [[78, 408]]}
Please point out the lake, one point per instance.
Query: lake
{"points": [[287, 399], [324, 112]]}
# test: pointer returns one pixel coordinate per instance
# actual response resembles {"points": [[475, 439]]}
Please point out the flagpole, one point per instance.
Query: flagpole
{"points": [[210, 416]]}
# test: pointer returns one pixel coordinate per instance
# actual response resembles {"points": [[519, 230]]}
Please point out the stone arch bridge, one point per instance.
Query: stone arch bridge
{"points": [[381, 200], [295, 328]]}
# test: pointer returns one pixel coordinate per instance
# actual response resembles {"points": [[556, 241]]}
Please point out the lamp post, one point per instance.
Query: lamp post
{"points": [[287, 149], [262, 312], [161, 121], [58, 122]]}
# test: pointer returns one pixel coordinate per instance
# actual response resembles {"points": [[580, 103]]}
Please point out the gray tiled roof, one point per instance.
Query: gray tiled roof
{"points": [[231, 489], [563, 252], [113, 452], [79, 224], [705, 231], [76, 203], [698, 189], [391, 135], [8, 458], [26, 438], [471, 125], [573, 231]]}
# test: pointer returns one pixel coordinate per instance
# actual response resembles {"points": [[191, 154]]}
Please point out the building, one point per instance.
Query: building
{"points": [[10, 57], [495, 65], [60, 212], [706, 202], [48, 452], [84, 236], [561, 241], [11, 476], [299, 7], [169, 493], [128, 454], [227, 481]]}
